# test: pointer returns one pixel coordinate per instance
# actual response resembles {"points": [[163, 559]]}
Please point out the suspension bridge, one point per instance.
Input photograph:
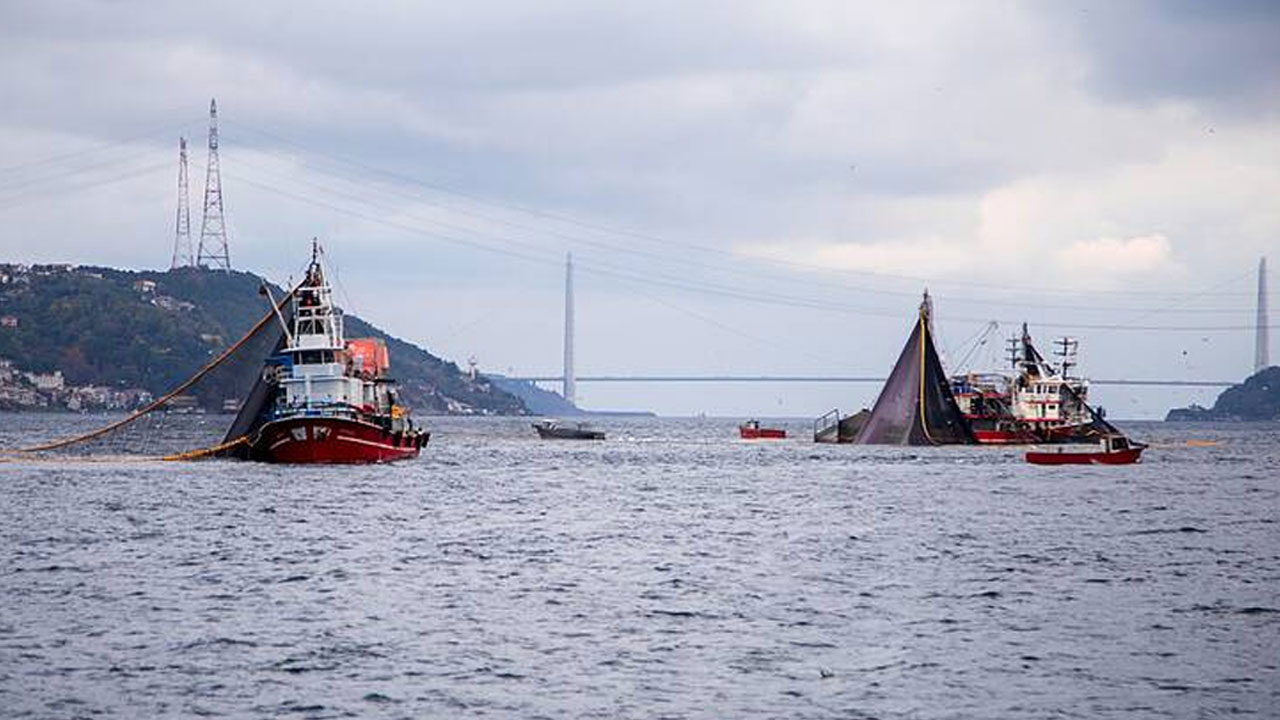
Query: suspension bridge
{"points": [[569, 378]]}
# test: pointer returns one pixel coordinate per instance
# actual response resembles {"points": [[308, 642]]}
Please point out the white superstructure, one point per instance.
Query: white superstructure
{"points": [[322, 373]]}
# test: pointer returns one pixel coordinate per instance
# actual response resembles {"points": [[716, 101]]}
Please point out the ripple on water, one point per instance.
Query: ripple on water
{"points": [[673, 572]]}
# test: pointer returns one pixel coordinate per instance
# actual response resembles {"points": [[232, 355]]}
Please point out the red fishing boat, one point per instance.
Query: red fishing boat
{"points": [[326, 399], [1110, 450], [751, 430]]}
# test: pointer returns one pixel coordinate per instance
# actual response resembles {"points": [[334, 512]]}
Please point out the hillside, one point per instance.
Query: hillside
{"points": [[145, 332], [1257, 398]]}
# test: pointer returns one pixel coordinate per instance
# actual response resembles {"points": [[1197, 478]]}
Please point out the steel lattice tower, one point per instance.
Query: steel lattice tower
{"points": [[213, 252], [1262, 341], [182, 252]]}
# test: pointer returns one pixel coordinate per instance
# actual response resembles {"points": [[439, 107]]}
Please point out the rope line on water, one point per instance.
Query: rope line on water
{"points": [[207, 452], [160, 402]]}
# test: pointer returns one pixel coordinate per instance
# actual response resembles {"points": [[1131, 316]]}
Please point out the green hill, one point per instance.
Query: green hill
{"points": [[1256, 399], [152, 330]]}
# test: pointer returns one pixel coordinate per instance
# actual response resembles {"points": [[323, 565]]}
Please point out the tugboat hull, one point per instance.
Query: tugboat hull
{"points": [[333, 440]]}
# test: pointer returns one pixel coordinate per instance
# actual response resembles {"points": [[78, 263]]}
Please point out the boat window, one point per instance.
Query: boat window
{"points": [[312, 357]]}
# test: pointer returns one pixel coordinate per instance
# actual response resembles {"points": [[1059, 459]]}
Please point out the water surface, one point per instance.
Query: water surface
{"points": [[670, 571]]}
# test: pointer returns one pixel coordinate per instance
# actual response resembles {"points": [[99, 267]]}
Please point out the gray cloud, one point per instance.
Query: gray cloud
{"points": [[1225, 52], [974, 142]]}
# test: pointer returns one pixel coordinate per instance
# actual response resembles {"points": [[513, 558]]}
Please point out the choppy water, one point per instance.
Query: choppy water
{"points": [[671, 571]]}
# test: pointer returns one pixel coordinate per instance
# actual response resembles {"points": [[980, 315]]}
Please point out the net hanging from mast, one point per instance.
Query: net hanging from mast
{"points": [[916, 406]]}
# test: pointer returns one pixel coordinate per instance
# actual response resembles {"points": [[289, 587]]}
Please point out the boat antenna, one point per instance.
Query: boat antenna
{"points": [[1068, 349]]}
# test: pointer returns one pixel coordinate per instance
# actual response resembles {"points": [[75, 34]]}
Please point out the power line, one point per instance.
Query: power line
{"points": [[776, 299], [23, 198], [682, 245], [74, 172], [679, 282], [383, 206], [165, 130]]}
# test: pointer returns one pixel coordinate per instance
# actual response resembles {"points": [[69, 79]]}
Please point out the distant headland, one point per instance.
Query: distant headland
{"points": [[1256, 399]]}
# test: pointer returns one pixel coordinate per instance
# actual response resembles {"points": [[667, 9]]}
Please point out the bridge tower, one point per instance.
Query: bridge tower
{"points": [[1262, 340], [213, 251], [569, 389]]}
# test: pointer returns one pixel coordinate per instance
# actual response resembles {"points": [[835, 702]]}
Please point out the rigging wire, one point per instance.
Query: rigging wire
{"points": [[974, 342]]}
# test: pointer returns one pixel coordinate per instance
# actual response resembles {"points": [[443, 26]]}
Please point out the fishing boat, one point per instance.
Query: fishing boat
{"points": [[1109, 450], [559, 430], [1038, 402], [323, 398], [751, 430]]}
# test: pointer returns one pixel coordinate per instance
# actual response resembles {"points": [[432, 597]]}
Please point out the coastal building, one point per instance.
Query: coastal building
{"points": [[166, 302], [47, 381]]}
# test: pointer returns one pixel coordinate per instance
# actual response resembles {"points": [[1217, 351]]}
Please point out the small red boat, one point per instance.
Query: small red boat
{"points": [[1116, 450], [751, 430]]}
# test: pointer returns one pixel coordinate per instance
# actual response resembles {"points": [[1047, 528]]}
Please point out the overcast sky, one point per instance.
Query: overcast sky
{"points": [[747, 187]]}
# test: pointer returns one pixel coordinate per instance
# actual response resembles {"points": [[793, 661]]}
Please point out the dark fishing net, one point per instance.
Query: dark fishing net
{"points": [[257, 398], [916, 406]]}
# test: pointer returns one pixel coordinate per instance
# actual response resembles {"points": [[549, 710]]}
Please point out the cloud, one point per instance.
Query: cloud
{"points": [[1224, 53], [972, 142], [1115, 256]]}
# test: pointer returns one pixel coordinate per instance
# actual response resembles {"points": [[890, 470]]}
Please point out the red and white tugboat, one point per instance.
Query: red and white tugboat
{"points": [[333, 402]]}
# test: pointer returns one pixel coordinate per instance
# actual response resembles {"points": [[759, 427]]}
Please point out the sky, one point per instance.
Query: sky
{"points": [[747, 188]]}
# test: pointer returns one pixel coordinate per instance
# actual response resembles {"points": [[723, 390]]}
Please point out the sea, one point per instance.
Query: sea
{"points": [[670, 571]]}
